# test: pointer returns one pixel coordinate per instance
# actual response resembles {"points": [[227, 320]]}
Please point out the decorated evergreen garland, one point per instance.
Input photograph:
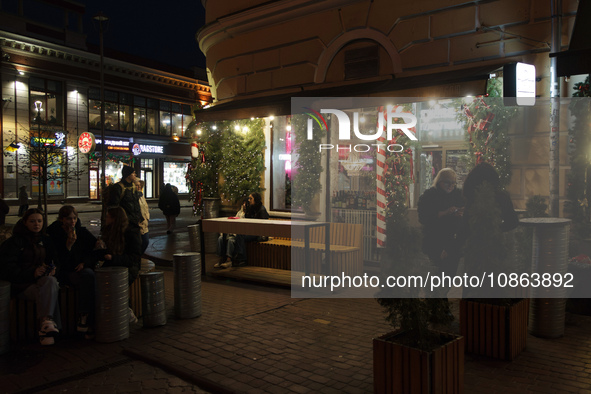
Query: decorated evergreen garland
{"points": [[486, 121], [306, 182], [242, 161], [579, 149]]}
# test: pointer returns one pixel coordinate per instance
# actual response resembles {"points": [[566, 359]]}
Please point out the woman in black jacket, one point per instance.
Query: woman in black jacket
{"points": [[170, 206], [29, 264], [73, 244], [254, 210], [440, 211]]}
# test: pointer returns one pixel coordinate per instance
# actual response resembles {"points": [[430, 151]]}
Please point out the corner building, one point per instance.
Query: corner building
{"points": [[148, 106]]}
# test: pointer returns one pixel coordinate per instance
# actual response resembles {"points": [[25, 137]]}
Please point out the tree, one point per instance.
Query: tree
{"points": [[47, 160]]}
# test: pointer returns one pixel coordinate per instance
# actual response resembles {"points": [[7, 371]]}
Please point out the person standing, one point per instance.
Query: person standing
{"points": [[440, 210], [23, 201], [29, 264], [3, 211], [125, 195], [139, 184], [170, 206]]}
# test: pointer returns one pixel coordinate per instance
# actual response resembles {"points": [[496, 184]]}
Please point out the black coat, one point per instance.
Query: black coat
{"points": [[256, 212], [125, 195], [443, 233], [80, 251], [169, 202], [22, 254]]}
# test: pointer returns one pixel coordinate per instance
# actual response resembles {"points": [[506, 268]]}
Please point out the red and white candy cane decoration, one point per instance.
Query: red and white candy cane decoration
{"points": [[381, 189]]}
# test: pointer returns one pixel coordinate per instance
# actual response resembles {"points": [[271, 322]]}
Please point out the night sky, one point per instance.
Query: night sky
{"points": [[159, 30]]}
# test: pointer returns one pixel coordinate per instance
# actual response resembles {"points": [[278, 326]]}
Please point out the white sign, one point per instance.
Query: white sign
{"points": [[525, 82]]}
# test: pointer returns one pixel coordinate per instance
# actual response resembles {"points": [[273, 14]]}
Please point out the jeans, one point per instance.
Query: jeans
{"points": [[241, 241], [45, 293], [84, 281], [226, 245]]}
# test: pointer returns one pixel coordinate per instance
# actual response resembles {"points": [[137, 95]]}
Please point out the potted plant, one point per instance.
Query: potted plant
{"points": [[415, 357], [494, 327]]}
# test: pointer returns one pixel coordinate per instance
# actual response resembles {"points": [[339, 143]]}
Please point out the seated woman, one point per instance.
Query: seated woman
{"points": [[72, 244], [227, 242], [254, 210], [122, 246], [28, 263]]}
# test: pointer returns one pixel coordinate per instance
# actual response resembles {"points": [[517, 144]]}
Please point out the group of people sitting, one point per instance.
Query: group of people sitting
{"points": [[37, 259]]}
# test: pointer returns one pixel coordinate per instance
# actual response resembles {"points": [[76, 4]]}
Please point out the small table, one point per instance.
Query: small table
{"points": [[272, 228], [550, 256]]}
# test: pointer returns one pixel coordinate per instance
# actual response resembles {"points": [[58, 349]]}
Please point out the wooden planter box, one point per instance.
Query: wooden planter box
{"points": [[493, 330], [402, 369]]}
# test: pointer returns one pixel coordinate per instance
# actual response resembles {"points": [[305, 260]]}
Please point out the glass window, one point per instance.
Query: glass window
{"points": [[139, 101], [49, 93], [281, 164], [94, 114], [174, 173], [139, 119], [177, 124], [165, 123], [152, 121], [187, 119], [125, 117], [111, 116]]}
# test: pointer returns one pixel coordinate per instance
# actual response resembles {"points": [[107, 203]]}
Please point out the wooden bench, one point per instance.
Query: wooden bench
{"points": [[23, 316], [23, 313], [346, 250]]}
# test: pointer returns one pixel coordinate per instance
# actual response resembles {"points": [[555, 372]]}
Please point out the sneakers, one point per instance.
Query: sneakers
{"points": [[48, 332], [221, 261], [132, 318], [227, 264], [82, 323], [241, 263]]}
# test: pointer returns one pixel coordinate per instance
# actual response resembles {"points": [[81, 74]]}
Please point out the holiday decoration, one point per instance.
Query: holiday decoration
{"points": [[486, 120], [579, 149], [307, 168]]}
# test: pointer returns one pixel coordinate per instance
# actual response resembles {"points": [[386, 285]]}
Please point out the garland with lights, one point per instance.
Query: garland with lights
{"points": [[486, 121], [579, 150], [96, 157], [306, 181], [230, 161], [242, 161]]}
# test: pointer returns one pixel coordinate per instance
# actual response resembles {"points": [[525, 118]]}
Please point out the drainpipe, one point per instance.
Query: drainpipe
{"points": [[554, 165]]}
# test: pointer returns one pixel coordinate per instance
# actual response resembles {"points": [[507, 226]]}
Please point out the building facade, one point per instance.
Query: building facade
{"points": [[261, 54], [51, 91]]}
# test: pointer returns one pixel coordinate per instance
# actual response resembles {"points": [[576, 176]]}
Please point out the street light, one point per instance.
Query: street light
{"points": [[38, 106], [101, 18]]}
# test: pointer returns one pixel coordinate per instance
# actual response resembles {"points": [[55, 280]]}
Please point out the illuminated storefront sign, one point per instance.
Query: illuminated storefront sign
{"points": [[58, 141], [115, 145], [140, 148], [86, 142]]}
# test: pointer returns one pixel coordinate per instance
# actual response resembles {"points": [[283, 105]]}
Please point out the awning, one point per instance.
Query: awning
{"points": [[278, 105], [577, 59]]}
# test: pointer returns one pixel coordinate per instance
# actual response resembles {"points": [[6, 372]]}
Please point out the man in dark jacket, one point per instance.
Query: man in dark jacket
{"points": [[125, 195]]}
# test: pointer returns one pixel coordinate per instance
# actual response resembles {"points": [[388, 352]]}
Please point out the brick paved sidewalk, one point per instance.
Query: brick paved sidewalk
{"points": [[256, 339]]}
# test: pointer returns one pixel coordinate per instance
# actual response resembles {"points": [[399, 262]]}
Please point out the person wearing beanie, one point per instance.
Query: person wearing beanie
{"points": [[440, 210], [126, 171], [125, 194]]}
